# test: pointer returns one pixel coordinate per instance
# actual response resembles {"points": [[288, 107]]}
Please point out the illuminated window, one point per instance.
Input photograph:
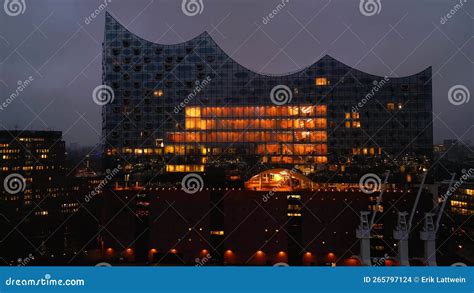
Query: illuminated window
{"points": [[158, 93], [217, 232], [372, 151], [391, 106], [469, 191], [193, 112], [321, 81], [354, 118]]}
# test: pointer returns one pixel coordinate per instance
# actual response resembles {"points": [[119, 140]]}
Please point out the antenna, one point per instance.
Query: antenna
{"points": [[403, 228]]}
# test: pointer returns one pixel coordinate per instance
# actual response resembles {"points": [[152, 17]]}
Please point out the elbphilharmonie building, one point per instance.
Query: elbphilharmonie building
{"points": [[188, 106]]}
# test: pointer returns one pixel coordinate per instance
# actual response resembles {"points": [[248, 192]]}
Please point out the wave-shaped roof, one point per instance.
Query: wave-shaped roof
{"points": [[205, 36]]}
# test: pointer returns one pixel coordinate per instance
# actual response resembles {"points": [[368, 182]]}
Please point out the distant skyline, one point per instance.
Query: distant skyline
{"points": [[59, 45]]}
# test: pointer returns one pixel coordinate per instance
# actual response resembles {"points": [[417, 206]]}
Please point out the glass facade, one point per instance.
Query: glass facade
{"points": [[187, 106]]}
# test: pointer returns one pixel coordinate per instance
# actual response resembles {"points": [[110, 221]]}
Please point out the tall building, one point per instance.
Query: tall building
{"points": [[40, 205], [32, 166], [189, 106]]}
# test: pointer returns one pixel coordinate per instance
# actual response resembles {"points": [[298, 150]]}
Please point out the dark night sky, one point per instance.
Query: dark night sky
{"points": [[52, 43]]}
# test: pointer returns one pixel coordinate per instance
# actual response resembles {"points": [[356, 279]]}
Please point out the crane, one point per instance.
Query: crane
{"points": [[365, 228], [430, 228], [403, 228]]}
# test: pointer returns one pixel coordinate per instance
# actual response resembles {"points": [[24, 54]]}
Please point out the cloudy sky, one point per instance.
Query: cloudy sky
{"points": [[58, 45]]}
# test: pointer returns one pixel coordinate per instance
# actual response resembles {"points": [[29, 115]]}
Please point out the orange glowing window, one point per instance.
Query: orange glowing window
{"points": [[321, 160], [347, 124], [391, 106], [348, 115], [193, 112], [355, 115], [356, 124], [158, 93], [321, 81], [321, 110], [321, 123], [372, 151], [220, 232]]}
